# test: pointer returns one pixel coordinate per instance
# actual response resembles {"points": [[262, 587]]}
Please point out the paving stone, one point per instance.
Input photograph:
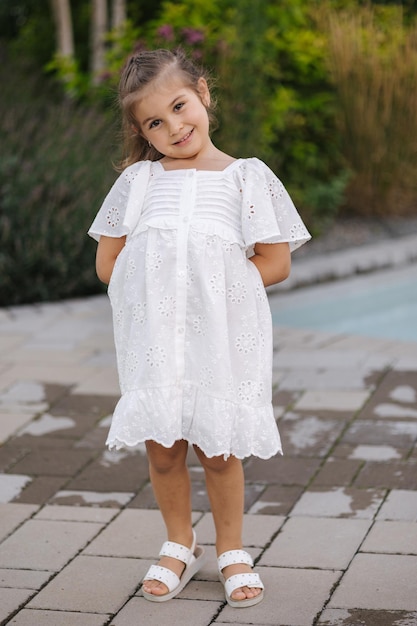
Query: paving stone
{"points": [[9, 456], [134, 533], [50, 462], [392, 538], [276, 500], [281, 470], [45, 545], [11, 485], [11, 600], [342, 502], [397, 434], [203, 590], [145, 499], [23, 579], [86, 406], [92, 498], [362, 617], [104, 382], [258, 530], [40, 490], [322, 543], [380, 582], [76, 514], [175, 613], [292, 597], [393, 475], [113, 471], [377, 453], [325, 379], [309, 435], [26, 617], [337, 472], [13, 515], [29, 442], [395, 398], [91, 585], [12, 421], [46, 424], [400, 505], [336, 400]]}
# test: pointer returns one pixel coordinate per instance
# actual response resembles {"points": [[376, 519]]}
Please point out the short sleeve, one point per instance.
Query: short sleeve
{"points": [[268, 213], [121, 207]]}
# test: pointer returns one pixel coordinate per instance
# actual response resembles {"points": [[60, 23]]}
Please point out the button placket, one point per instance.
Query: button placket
{"points": [[186, 207]]}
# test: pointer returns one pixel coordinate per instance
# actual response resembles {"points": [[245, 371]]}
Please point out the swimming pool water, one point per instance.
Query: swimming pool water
{"points": [[382, 304]]}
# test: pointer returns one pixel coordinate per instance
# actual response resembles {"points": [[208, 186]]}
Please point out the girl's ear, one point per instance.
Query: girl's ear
{"points": [[204, 91]]}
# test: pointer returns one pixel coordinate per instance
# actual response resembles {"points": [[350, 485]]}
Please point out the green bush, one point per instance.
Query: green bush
{"points": [[373, 58], [55, 168]]}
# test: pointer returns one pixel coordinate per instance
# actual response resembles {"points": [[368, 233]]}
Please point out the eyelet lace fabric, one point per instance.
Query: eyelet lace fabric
{"points": [[192, 323]]}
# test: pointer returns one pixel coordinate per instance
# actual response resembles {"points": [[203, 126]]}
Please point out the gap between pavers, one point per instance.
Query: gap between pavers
{"points": [[28, 617], [322, 543], [46, 545], [378, 581], [292, 597], [92, 585], [175, 613]]}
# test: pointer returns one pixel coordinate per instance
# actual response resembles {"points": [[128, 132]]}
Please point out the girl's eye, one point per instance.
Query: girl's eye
{"points": [[154, 124], [179, 106]]}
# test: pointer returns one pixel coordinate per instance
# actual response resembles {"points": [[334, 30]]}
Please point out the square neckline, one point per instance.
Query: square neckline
{"points": [[195, 169]]}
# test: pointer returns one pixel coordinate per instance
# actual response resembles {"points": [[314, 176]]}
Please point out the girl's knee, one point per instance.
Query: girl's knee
{"points": [[164, 460]]}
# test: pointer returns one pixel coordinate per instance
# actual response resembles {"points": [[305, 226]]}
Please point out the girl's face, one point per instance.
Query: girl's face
{"points": [[174, 119]]}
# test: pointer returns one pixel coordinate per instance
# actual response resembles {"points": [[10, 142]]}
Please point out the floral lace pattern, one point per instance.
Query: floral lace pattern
{"points": [[192, 323]]}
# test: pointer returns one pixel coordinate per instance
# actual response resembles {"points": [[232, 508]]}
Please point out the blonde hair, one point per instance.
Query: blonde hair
{"points": [[140, 70]]}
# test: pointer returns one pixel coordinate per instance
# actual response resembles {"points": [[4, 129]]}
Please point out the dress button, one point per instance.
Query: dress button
{"points": [[180, 330], [181, 274]]}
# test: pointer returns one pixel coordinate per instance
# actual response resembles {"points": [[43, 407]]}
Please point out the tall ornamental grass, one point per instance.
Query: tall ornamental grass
{"points": [[55, 168], [374, 68]]}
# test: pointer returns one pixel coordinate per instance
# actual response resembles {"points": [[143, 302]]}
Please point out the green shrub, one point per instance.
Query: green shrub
{"points": [[374, 68], [55, 168]]}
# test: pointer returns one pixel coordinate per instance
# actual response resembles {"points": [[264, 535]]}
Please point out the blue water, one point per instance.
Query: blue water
{"points": [[382, 305]]}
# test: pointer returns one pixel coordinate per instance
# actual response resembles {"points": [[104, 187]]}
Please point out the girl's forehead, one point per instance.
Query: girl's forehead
{"points": [[164, 85]]}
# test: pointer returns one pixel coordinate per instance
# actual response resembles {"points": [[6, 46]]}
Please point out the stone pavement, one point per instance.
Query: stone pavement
{"points": [[332, 524]]}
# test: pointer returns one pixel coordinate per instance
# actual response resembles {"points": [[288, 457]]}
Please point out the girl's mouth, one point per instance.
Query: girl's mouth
{"points": [[184, 139]]}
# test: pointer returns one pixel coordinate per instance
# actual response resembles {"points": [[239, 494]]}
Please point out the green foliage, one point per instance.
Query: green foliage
{"points": [[55, 168]]}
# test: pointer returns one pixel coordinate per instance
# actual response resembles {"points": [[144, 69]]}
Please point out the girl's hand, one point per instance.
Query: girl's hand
{"points": [[273, 261], [108, 250]]}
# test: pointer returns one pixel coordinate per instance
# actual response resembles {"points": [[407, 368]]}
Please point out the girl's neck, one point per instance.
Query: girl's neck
{"points": [[214, 160]]}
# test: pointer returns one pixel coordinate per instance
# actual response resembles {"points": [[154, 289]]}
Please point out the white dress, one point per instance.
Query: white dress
{"points": [[192, 323]]}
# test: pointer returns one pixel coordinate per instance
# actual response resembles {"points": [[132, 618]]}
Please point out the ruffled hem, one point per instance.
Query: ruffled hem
{"points": [[217, 426]]}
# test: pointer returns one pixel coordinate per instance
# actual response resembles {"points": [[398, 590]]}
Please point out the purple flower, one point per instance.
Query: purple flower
{"points": [[166, 32], [192, 36]]}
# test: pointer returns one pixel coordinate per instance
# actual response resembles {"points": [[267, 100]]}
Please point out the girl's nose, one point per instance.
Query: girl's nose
{"points": [[175, 127]]}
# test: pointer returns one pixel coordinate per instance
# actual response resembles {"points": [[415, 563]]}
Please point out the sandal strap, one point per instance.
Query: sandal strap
{"points": [[164, 575], [178, 551], [242, 580], [231, 557]]}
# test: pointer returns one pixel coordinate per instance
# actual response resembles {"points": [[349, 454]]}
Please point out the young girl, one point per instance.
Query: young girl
{"points": [[188, 239]]}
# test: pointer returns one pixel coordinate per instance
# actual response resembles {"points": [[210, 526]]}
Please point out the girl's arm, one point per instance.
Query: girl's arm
{"points": [[108, 250], [273, 261]]}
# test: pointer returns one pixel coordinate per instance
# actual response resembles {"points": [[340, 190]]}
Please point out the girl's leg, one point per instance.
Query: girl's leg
{"points": [[226, 490], [171, 485]]}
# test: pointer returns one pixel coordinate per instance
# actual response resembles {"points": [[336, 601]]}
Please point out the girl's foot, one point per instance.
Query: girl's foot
{"points": [[158, 588], [241, 585], [241, 593], [178, 564]]}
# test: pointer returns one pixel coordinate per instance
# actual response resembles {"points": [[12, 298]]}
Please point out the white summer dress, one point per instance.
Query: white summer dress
{"points": [[192, 323]]}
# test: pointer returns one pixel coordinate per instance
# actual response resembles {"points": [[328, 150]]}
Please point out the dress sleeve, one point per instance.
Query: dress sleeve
{"points": [[268, 213], [121, 208]]}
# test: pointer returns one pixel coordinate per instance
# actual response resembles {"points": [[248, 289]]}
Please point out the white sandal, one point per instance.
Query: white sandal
{"points": [[232, 557], [193, 558]]}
